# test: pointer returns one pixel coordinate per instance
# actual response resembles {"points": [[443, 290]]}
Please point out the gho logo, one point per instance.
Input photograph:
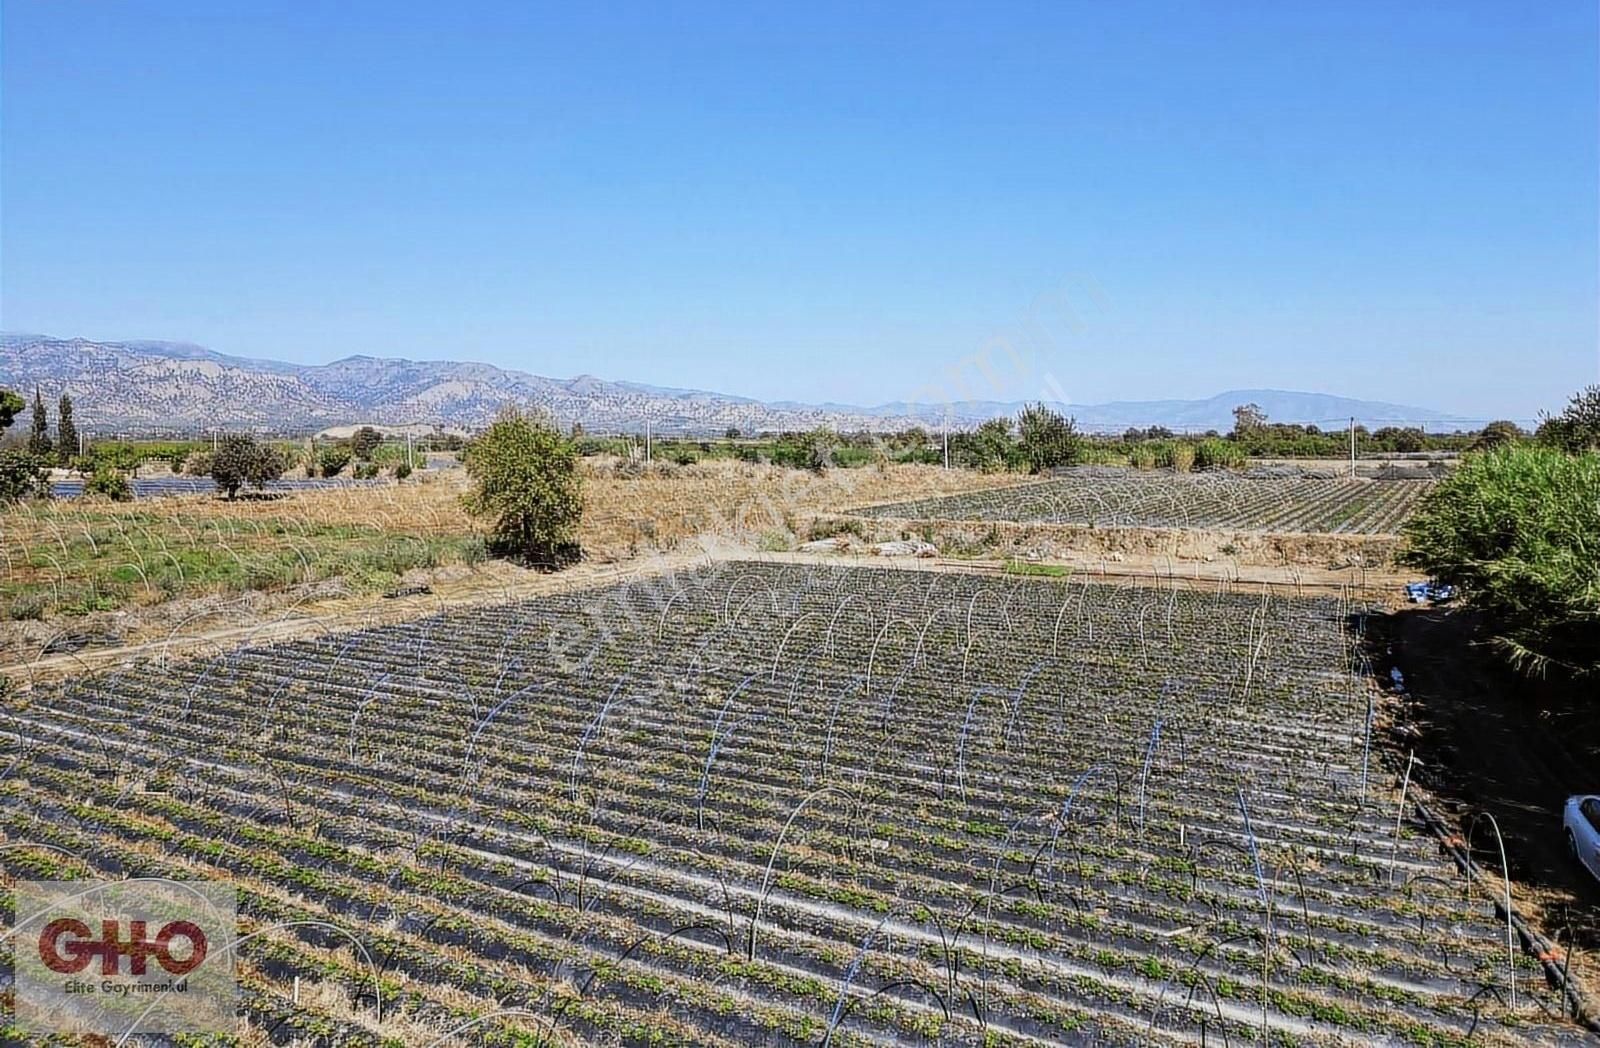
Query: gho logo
{"points": [[66, 948], [139, 956]]}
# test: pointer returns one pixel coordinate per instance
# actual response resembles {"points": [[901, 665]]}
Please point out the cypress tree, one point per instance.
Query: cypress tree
{"points": [[39, 440], [66, 433]]}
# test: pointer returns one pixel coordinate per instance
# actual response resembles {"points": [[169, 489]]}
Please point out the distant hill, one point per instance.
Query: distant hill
{"points": [[149, 387]]}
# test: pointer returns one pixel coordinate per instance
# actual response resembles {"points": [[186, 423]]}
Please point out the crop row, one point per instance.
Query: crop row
{"points": [[1179, 500], [793, 805]]}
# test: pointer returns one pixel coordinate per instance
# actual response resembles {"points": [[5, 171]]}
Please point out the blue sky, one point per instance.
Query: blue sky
{"points": [[824, 201]]}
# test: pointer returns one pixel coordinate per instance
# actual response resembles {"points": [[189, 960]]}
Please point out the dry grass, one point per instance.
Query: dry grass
{"points": [[657, 510], [149, 567]]}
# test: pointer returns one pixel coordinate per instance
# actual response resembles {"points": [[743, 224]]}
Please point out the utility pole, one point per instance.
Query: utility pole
{"points": [[1352, 447], [946, 432], [213, 440], [410, 462], [647, 441]]}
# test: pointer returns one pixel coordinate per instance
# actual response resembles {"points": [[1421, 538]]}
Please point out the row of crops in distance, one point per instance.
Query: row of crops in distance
{"points": [[1104, 498], [761, 804]]}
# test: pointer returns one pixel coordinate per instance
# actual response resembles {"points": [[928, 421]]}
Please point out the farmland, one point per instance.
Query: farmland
{"points": [[81, 560], [1109, 498], [793, 805]]}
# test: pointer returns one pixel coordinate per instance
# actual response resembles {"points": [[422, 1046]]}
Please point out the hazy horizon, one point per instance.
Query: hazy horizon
{"points": [[1146, 202]]}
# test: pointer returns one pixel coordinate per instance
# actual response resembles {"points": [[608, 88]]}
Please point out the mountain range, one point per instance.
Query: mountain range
{"points": [[177, 388]]}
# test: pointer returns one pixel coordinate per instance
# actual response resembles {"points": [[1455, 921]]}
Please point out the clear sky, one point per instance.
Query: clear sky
{"points": [[824, 201]]}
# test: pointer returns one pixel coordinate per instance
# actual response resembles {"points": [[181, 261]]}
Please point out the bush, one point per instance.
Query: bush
{"points": [[239, 459], [27, 607], [111, 484], [23, 476], [818, 449], [365, 471], [1577, 428], [1181, 457], [990, 447], [365, 442], [1514, 529], [1216, 453], [402, 470], [333, 459], [526, 481], [1047, 438], [1497, 434]]}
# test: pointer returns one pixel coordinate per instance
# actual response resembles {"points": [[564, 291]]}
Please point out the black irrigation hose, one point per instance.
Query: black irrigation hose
{"points": [[1584, 1010]]}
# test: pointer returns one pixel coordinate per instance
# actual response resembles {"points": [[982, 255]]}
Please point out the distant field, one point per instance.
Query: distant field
{"points": [[161, 486], [81, 556], [793, 806], [1167, 500]]}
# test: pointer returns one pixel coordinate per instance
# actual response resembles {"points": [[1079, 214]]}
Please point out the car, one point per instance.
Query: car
{"points": [[1582, 820]]}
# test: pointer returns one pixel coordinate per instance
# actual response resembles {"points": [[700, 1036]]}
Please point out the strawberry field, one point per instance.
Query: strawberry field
{"points": [[1102, 498], [793, 805]]}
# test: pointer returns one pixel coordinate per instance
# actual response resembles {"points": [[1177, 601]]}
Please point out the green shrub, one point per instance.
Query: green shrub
{"points": [[526, 481], [1515, 529], [22, 476], [111, 484], [402, 470], [1181, 457], [852, 458], [333, 459], [26, 606], [832, 527], [1216, 453], [365, 471]]}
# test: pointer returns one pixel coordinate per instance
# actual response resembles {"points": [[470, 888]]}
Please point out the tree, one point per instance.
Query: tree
{"points": [[731, 433], [1403, 439], [239, 459], [39, 439], [1577, 428], [819, 446], [1514, 529], [110, 483], [526, 483], [1048, 438], [1497, 434], [10, 404], [22, 476], [365, 442], [1248, 418], [992, 446], [333, 460], [66, 433]]}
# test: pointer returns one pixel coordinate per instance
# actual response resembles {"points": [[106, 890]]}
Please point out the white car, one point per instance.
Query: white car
{"points": [[1582, 819]]}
